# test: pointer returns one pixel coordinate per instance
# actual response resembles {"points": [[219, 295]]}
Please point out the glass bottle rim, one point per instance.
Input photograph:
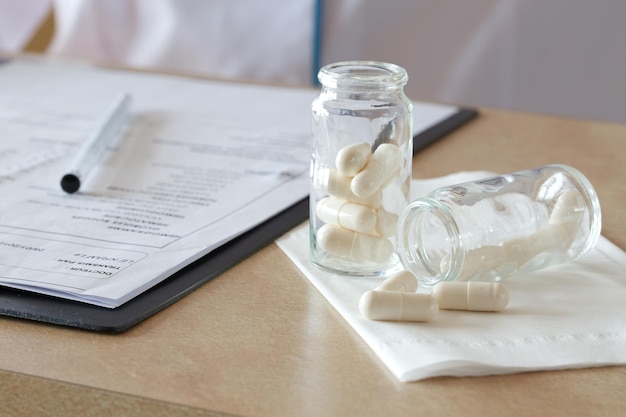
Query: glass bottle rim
{"points": [[362, 74], [414, 256]]}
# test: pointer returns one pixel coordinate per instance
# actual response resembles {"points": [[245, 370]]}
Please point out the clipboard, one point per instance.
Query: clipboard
{"points": [[47, 309]]}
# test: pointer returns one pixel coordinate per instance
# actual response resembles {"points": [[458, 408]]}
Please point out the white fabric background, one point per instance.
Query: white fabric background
{"points": [[565, 57]]}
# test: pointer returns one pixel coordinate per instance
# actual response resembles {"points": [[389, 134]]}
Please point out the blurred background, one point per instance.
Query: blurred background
{"points": [[561, 57]]}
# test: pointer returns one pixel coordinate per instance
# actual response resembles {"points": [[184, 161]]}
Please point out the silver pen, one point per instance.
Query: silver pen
{"points": [[92, 151]]}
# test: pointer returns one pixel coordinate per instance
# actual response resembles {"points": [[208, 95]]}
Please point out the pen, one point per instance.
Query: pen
{"points": [[94, 146]]}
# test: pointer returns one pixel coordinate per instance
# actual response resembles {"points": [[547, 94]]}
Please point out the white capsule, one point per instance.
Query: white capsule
{"points": [[471, 296], [403, 281], [356, 246], [372, 201], [338, 186], [569, 208], [551, 238], [478, 262], [568, 213], [513, 254], [385, 161], [386, 222], [557, 235], [347, 215], [398, 306], [351, 159]]}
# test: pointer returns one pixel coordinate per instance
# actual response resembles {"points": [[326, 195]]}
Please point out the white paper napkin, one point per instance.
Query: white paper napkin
{"points": [[568, 316]]}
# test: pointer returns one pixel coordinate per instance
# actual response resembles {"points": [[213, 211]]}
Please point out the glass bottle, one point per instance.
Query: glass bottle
{"points": [[362, 147], [500, 227]]}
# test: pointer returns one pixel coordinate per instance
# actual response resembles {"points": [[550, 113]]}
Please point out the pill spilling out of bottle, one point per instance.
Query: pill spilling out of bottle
{"points": [[461, 240], [396, 299], [499, 227]]}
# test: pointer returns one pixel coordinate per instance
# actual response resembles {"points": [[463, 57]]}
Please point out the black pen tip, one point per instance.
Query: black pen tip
{"points": [[70, 183]]}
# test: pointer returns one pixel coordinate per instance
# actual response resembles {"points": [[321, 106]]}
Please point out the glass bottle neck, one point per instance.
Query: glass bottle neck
{"points": [[363, 76]]}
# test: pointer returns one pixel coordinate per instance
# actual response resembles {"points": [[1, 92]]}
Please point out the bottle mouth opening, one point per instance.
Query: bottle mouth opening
{"points": [[363, 74], [429, 242]]}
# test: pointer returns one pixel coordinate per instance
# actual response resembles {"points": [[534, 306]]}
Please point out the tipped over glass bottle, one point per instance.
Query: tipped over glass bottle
{"points": [[362, 148], [500, 227]]}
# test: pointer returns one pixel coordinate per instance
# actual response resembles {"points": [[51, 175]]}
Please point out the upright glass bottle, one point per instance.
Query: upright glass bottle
{"points": [[362, 147], [500, 227]]}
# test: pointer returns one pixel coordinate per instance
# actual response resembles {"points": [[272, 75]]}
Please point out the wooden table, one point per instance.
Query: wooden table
{"points": [[261, 341]]}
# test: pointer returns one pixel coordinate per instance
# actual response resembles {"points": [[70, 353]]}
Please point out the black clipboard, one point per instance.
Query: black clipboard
{"points": [[48, 309]]}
